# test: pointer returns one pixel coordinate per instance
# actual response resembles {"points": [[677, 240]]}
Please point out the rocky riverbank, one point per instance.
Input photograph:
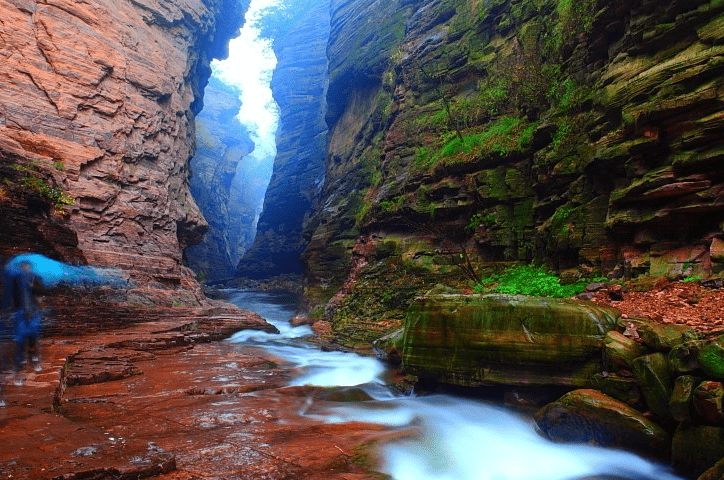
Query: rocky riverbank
{"points": [[646, 378], [166, 397]]}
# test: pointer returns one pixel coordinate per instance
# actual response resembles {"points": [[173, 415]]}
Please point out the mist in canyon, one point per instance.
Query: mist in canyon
{"points": [[236, 146], [264, 106]]}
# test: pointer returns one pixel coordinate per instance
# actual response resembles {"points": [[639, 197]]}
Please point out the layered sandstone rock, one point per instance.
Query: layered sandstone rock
{"points": [[584, 136], [101, 98], [473, 340]]}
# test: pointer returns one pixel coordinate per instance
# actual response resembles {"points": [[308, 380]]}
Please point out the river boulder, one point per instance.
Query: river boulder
{"points": [[659, 336], [589, 416], [681, 404], [475, 340]]}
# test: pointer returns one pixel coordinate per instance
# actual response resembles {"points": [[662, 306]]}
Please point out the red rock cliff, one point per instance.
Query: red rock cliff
{"points": [[98, 101]]}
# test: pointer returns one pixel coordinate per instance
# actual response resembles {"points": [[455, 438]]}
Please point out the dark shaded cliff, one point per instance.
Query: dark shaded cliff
{"points": [[97, 124], [222, 147], [583, 135], [299, 86]]}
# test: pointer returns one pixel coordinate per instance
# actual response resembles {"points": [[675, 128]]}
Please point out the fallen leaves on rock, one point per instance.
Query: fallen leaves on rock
{"points": [[684, 303]]}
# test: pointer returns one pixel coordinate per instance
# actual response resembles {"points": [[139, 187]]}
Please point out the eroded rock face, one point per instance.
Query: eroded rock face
{"points": [[223, 145], [587, 137], [102, 96], [473, 340], [299, 86]]}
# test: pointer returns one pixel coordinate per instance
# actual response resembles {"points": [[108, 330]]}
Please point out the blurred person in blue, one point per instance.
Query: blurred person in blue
{"points": [[21, 290]]}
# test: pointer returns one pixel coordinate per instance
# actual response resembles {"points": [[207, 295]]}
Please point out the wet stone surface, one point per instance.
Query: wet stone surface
{"points": [[201, 410]]}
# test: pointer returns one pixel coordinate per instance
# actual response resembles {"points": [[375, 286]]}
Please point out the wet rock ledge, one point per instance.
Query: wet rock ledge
{"points": [[152, 392]]}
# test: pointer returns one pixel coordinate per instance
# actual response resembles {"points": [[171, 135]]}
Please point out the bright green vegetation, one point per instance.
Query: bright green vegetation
{"points": [[531, 280], [694, 278], [574, 17], [33, 179], [506, 135]]}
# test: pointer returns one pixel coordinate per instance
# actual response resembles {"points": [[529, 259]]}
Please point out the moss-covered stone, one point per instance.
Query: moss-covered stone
{"points": [[684, 358], [620, 350], [658, 336], [625, 389], [682, 398], [476, 340], [709, 401], [589, 416], [716, 472], [711, 357], [389, 347], [652, 373]]}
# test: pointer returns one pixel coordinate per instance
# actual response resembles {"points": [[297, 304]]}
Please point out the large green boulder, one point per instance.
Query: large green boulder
{"points": [[589, 416], [475, 340]]}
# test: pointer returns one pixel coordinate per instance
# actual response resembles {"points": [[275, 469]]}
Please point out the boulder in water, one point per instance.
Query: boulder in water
{"points": [[589, 416], [388, 348]]}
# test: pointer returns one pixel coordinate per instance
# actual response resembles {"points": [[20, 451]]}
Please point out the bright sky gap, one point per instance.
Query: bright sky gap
{"points": [[248, 70]]}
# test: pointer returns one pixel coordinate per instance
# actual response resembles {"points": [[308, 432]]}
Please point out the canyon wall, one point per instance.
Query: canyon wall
{"points": [[299, 85], [218, 167], [97, 127], [465, 135]]}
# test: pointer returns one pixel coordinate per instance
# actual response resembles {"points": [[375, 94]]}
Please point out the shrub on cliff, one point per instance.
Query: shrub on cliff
{"points": [[530, 280]]}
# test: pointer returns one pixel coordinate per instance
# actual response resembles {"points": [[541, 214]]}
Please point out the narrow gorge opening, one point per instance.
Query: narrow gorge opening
{"points": [[236, 146], [284, 42]]}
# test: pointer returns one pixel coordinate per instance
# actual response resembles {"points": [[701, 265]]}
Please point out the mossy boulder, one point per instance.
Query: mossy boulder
{"points": [[681, 404], [589, 416], [389, 348], [714, 473], [625, 389], [474, 340], [658, 336], [709, 401], [711, 358], [620, 350], [652, 373], [685, 357]]}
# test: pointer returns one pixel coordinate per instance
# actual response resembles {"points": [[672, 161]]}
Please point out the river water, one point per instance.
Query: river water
{"points": [[459, 439]]}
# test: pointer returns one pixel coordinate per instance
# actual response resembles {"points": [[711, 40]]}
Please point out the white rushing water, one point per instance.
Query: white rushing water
{"points": [[453, 438]]}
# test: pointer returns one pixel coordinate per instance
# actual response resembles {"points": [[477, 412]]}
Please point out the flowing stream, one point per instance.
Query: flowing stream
{"points": [[459, 439]]}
